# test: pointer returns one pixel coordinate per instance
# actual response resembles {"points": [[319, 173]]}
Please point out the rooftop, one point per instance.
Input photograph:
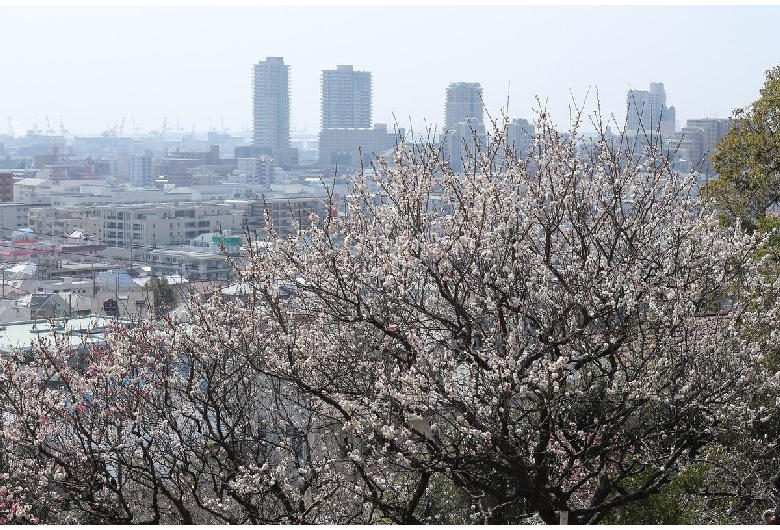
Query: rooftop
{"points": [[80, 331]]}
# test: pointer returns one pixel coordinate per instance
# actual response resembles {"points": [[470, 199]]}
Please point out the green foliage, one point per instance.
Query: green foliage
{"points": [[748, 159], [444, 503], [673, 505], [771, 248], [164, 295]]}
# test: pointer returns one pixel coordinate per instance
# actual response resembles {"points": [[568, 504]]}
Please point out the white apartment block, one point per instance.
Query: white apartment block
{"points": [[13, 216], [520, 135], [461, 144], [137, 225], [271, 104], [348, 148], [34, 190], [204, 259], [646, 111], [140, 170], [346, 98], [255, 171], [463, 105]]}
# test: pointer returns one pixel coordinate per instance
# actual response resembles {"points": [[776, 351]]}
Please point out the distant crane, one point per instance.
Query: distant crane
{"points": [[164, 127], [136, 130], [10, 127], [63, 130], [122, 127], [49, 130], [35, 125]]}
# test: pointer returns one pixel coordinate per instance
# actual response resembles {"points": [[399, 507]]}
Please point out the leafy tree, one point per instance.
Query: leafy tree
{"points": [[163, 293], [748, 159], [535, 335]]}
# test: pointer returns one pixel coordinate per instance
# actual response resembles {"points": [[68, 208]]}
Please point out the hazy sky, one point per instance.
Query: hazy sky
{"points": [[92, 65]]}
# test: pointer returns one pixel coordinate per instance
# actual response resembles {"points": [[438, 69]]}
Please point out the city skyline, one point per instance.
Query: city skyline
{"points": [[190, 67]]}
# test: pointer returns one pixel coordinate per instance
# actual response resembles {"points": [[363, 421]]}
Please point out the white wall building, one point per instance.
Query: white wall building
{"points": [[137, 225], [646, 111], [258, 170], [34, 190], [463, 104], [13, 216], [345, 98], [271, 104]]}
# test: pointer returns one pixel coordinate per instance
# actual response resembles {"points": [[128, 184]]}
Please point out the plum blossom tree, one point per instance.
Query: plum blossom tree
{"points": [[567, 331]]}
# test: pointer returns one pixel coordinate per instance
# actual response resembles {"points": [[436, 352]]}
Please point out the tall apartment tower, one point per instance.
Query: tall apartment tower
{"points": [[464, 105], [646, 109], [271, 104], [346, 98]]}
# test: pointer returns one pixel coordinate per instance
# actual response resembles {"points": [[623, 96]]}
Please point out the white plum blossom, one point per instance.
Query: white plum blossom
{"points": [[560, 331]]}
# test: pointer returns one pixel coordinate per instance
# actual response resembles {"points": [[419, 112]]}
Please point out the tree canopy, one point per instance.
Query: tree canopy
{"points": [[569, 331], [748, 158], [163, 293]]}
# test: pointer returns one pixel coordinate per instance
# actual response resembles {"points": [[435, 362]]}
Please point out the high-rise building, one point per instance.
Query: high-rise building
{"points": [[520, 136], [464, 105], [347, 139], [646, 110], [346, 98], [140, 169], [271, 105], [351, 147], [697, 141], [464, 128]]}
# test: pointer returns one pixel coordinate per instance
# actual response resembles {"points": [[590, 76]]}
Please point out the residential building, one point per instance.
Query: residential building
{"points": [[112, 293], [34, 190], [140, 170], [6, 186], [462, 142], [713, 131], [258, 170], [463, 104], [520, 135], [697, 141], [204, 259], [347, 139], [646, 111], [464, 125], [346, 98], [284, 212], [271, 104], [136, 225], [351, 148], [13, 216]]}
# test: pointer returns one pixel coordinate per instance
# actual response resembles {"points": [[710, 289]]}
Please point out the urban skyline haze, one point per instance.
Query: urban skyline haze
{"points": [[193, 66]]}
